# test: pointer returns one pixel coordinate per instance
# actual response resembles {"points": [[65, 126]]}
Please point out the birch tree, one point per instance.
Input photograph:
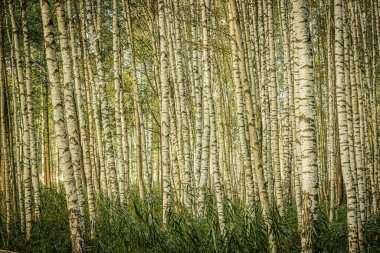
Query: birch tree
{"points": [[306, 123], [70, 111], [25, 122], [81, 118], [342, 128], [254, 145], [165, 121], [77, 240], [29, 98], [104, 110]]}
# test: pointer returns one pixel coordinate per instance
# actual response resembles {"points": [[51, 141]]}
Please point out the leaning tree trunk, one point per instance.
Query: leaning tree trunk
{"points": [[253, 133]]}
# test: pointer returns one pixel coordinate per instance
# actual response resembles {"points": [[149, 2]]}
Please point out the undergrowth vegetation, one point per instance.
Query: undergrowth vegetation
{"points": [[137, 227]]}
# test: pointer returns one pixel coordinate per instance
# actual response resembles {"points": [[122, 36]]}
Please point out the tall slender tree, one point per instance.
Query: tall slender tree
{"points": [[25, 122], [165, 125], [342, 128], [62, 141], [306, 121]]}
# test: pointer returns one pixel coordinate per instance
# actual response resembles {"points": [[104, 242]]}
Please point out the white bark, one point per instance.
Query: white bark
{"points": [[104, 107], [165, 121], [62, 141], [343, 130], [25, 122], [306, 124], [70, 110], [32, 135], [118, 94], [82, 122]]}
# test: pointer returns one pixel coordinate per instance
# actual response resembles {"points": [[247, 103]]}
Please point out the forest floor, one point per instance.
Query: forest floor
{"points": [[137, 227]]}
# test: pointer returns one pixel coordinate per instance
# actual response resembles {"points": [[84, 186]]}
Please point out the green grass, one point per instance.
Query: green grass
{"points": [[137, 227]]}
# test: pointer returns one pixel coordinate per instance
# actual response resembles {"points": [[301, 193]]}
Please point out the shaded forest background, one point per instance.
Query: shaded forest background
{"points": [[190, 126]]}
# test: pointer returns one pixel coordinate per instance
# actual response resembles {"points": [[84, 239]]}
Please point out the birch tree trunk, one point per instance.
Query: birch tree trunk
{"points": [[205, 9], [136, 101], [254, 144], [70, 110], [275, 143], [4, 152], [331, 143], [165, 120], [77, 241], [81, 120], [46, 139], [29, 92], [288, 140], [342, 129], [25, 122], [125, 144], [104, 109], [244, 148], [355, 86], [214, 157], [307, 128], [118, 94], [184, 119], [198, 98]]}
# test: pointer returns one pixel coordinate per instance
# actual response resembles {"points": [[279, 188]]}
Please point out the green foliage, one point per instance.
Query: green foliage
{"points": [[137, 227], [332, 237], [372, 234], [50, 234]]}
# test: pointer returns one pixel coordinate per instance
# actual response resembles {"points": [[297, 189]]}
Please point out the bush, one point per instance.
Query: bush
{"points": [[137, 227]]}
